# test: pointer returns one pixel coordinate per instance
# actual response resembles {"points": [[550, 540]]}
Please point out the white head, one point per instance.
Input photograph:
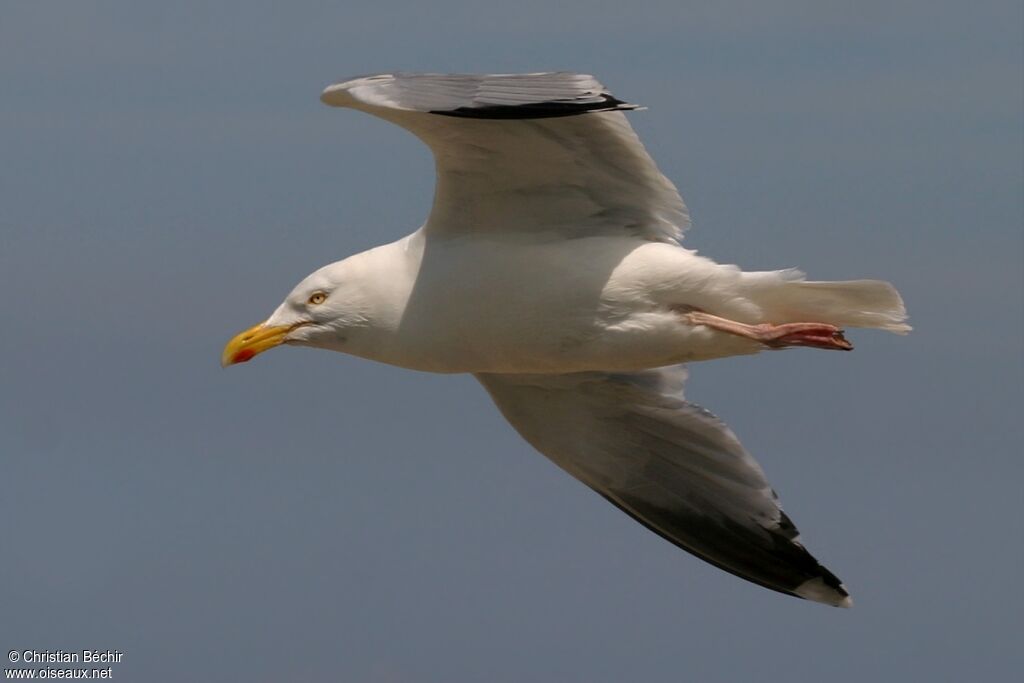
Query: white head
{"points": [[322, 311]]}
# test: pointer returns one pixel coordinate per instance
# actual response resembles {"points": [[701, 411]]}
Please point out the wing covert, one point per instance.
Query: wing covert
{"points": [[515, 153]]}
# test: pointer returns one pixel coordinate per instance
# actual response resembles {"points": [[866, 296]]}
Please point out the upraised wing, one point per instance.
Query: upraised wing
{"points": [[525, 153], [670, 465]]}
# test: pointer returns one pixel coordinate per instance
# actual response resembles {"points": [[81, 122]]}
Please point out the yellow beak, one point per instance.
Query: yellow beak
{"points": [[255, 340]]}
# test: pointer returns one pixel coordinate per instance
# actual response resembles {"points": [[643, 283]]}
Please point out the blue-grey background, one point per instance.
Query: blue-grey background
{"points": [[167, 174]]}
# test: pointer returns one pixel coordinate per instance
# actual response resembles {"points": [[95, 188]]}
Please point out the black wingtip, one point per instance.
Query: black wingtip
{"points": [[540, 110], [785, 566]]}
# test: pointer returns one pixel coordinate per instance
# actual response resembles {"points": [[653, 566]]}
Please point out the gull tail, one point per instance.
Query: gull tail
{"points": [[785, 296]]}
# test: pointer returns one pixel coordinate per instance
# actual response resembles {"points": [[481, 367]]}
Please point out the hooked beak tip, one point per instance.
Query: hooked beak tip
{"points": [[246, 345]]}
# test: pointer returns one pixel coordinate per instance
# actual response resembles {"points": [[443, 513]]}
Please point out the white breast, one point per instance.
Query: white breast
{"points": [[503, 306]]}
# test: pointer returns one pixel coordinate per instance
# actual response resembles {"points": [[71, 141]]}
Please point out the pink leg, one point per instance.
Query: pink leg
{"points": [[817, 335]]}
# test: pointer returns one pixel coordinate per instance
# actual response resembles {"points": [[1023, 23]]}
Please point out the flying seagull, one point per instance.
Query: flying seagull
{"points": [[551, 268]]}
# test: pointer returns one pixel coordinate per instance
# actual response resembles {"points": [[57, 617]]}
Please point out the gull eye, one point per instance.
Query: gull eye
{"points": [[317, 298]]}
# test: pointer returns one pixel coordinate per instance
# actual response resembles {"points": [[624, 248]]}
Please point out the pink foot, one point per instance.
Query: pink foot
{"points": [[816, 335]]}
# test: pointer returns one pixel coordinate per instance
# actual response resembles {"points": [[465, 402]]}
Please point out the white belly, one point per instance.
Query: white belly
{"points": [[593, 304]]}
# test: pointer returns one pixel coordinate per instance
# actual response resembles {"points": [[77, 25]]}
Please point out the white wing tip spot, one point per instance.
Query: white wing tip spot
{"points": [[816, 590]]}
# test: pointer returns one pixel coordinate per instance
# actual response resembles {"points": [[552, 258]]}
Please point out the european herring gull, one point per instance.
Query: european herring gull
{"points": [[551, 268]]}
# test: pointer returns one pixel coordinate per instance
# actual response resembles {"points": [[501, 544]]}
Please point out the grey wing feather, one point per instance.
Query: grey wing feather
{"points": [[669, 464], [482, 96], [526, 153]]}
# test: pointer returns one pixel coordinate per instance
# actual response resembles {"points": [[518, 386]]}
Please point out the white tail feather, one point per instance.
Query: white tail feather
{"points": [[853, 303]]}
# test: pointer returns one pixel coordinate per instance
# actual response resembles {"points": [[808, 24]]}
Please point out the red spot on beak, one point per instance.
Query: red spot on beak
{"points": [[243, 356]]}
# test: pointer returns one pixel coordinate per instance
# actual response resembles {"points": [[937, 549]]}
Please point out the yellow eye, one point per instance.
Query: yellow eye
{"points": [[317, 298]]}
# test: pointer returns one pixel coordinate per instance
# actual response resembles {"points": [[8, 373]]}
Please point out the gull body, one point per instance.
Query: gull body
{"points": [[551, 267], [603, 303]]}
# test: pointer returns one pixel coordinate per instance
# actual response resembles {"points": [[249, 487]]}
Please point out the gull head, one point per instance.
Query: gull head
{"points": [[320, 311]]}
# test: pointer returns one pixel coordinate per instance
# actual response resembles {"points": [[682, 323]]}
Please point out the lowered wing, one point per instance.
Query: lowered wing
{"points": [[670, 465]]}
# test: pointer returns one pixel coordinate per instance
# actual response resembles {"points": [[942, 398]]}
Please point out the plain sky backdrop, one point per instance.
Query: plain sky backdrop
{"points": [[167, 174]]}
